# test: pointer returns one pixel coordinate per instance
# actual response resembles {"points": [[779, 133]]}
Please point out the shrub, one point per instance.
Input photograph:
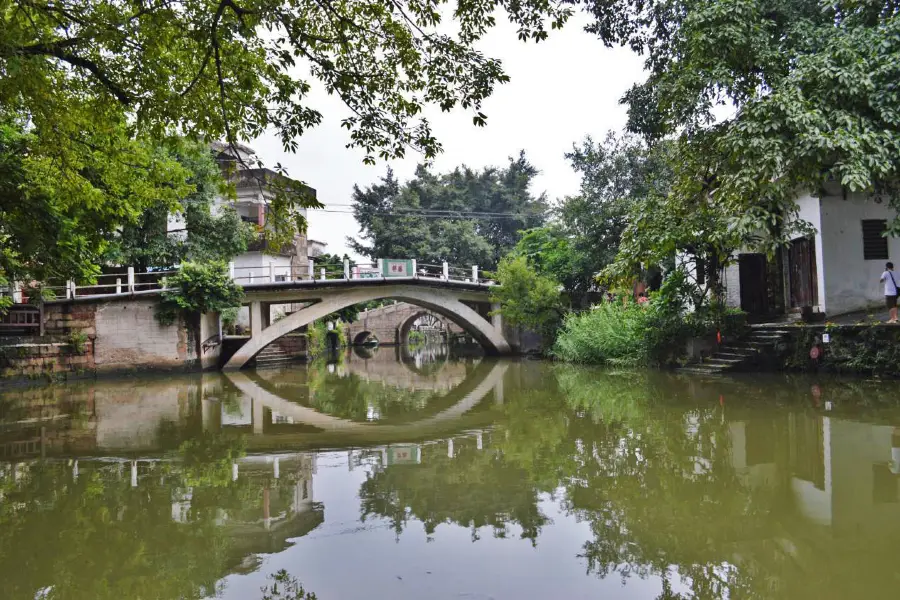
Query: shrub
{"points": [[197, 289], [624, 332], [608, 333], [527, 298]]}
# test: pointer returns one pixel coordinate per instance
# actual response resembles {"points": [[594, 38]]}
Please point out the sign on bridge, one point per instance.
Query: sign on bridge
{"points": [[391, 267]]}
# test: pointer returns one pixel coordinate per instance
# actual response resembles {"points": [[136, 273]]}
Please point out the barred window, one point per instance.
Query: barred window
{"points": [[875, 244]]}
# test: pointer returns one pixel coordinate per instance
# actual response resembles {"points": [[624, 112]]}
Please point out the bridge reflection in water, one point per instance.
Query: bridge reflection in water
{"points": [[526, 474]]}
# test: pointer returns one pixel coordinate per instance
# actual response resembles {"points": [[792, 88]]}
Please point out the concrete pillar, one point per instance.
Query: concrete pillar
{"points": [[450, 448], [231, 270], [134, 474], [446, 271], [130, 280], [474, 273], [234, 471], [380, 263], [312, 269], [496, 318], [346, 268], [276, 473], [322, 273], [479, 441], [256, 323], [415, 271], [118, 285], [257, 413], [271, 273]]}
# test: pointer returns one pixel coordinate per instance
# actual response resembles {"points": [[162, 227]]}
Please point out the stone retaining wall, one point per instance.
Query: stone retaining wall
{"points": [[110, 336]]}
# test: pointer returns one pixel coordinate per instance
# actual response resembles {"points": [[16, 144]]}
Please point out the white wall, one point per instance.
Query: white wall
{"points": [[733, 284], [257, 265], [850, 282]]}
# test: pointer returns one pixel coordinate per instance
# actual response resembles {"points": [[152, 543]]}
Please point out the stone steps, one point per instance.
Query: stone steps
{"points": [[736, 354], [273, 355]]}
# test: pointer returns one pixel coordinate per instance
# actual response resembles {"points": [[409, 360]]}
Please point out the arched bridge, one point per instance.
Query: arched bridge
{"points": [[391, 324], [465, 303]]}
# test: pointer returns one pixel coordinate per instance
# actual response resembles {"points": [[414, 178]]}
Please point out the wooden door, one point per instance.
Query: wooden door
{"points": [[802, 270], [754, 294]]}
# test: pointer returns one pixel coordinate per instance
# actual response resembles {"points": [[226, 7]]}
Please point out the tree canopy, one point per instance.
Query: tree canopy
{"points": [[465, 217], [90, 89], [202, 233], [617, 175], [811, 87]]}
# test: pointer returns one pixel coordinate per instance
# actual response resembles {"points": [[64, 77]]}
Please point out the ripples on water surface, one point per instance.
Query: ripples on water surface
{"points": [[434, 478]]}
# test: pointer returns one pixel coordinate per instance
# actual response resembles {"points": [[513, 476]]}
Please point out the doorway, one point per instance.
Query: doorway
{"points": [[754, 289], [804, 287]]}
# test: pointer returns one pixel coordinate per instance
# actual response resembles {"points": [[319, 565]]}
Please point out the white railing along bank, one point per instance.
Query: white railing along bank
{"points": [[130, 282]]}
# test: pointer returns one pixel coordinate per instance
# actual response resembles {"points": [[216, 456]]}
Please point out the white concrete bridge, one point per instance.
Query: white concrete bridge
{"points": [[466, 303]]}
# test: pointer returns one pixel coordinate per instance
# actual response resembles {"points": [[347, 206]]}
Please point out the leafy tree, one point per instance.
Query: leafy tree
{"points": [[100, 83], [203, 237], [197, 289], [465, 217], [617, 174], [56, 223], [527, 298], [811, 85]]}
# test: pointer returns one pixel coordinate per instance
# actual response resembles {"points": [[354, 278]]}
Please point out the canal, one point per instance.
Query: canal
{"points": [[410, 475]]}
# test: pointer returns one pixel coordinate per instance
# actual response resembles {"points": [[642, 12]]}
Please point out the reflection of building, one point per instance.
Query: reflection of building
{"points": [[839, 473]]}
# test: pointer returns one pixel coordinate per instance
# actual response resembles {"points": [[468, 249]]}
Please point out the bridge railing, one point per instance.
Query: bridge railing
{"points": [[127, 280]]}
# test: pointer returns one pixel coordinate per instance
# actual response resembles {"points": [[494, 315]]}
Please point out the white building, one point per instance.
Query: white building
{"points": [[254, 195], [836, 271]]}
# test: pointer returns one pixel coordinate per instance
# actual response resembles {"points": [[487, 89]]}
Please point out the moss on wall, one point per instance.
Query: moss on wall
{"points": [[858, 349]]}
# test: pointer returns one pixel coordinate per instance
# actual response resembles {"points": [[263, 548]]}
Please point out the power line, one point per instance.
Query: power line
{"points": [[438, 215]]}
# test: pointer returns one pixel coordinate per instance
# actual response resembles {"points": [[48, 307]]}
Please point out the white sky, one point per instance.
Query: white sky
{"points": [[560, 90]]}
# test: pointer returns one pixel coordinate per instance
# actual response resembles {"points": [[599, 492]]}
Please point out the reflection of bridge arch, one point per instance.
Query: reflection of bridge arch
{"points": [[448, 303], [487, 377], [362, 337]]}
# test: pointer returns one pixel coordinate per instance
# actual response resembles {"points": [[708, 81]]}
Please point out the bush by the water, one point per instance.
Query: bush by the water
{"points": [[624, 332]]}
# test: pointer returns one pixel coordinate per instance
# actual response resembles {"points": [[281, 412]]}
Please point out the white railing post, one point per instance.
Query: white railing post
{"points": [[231, 270], [271, 273], [16, 288], [346, 268], [130, 280], [474, 273], [446, 271], [70, 291], [118, 285], [322, 273], [415, 272], [312, 269], [380, 263]]}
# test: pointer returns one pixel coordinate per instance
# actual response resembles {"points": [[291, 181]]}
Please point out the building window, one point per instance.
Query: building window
{"points": [[875, 244]]}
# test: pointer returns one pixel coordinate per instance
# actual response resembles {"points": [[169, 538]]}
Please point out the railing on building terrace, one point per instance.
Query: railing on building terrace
{"points": [[131, 282]]}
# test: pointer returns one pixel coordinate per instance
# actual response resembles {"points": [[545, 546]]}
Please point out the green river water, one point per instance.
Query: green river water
{"points": [[398, 475]]}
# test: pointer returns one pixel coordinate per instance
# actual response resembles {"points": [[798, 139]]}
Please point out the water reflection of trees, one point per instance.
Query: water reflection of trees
{"points": [[474, 489], [646, 460], [165, 528]]}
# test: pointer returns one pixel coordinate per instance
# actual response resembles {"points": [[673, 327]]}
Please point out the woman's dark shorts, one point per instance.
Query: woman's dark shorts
{"points": [[890, 301]]}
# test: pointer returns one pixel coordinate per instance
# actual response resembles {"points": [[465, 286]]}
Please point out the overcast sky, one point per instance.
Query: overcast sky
{"points": [[560, 90]]}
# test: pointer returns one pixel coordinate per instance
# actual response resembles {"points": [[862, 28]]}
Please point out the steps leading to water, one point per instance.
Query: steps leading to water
{"points": [[739, 354], [272, 355]]}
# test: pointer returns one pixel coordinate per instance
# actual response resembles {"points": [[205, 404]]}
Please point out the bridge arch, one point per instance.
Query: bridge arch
{"points": [[434, 299], [407, 324]]}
